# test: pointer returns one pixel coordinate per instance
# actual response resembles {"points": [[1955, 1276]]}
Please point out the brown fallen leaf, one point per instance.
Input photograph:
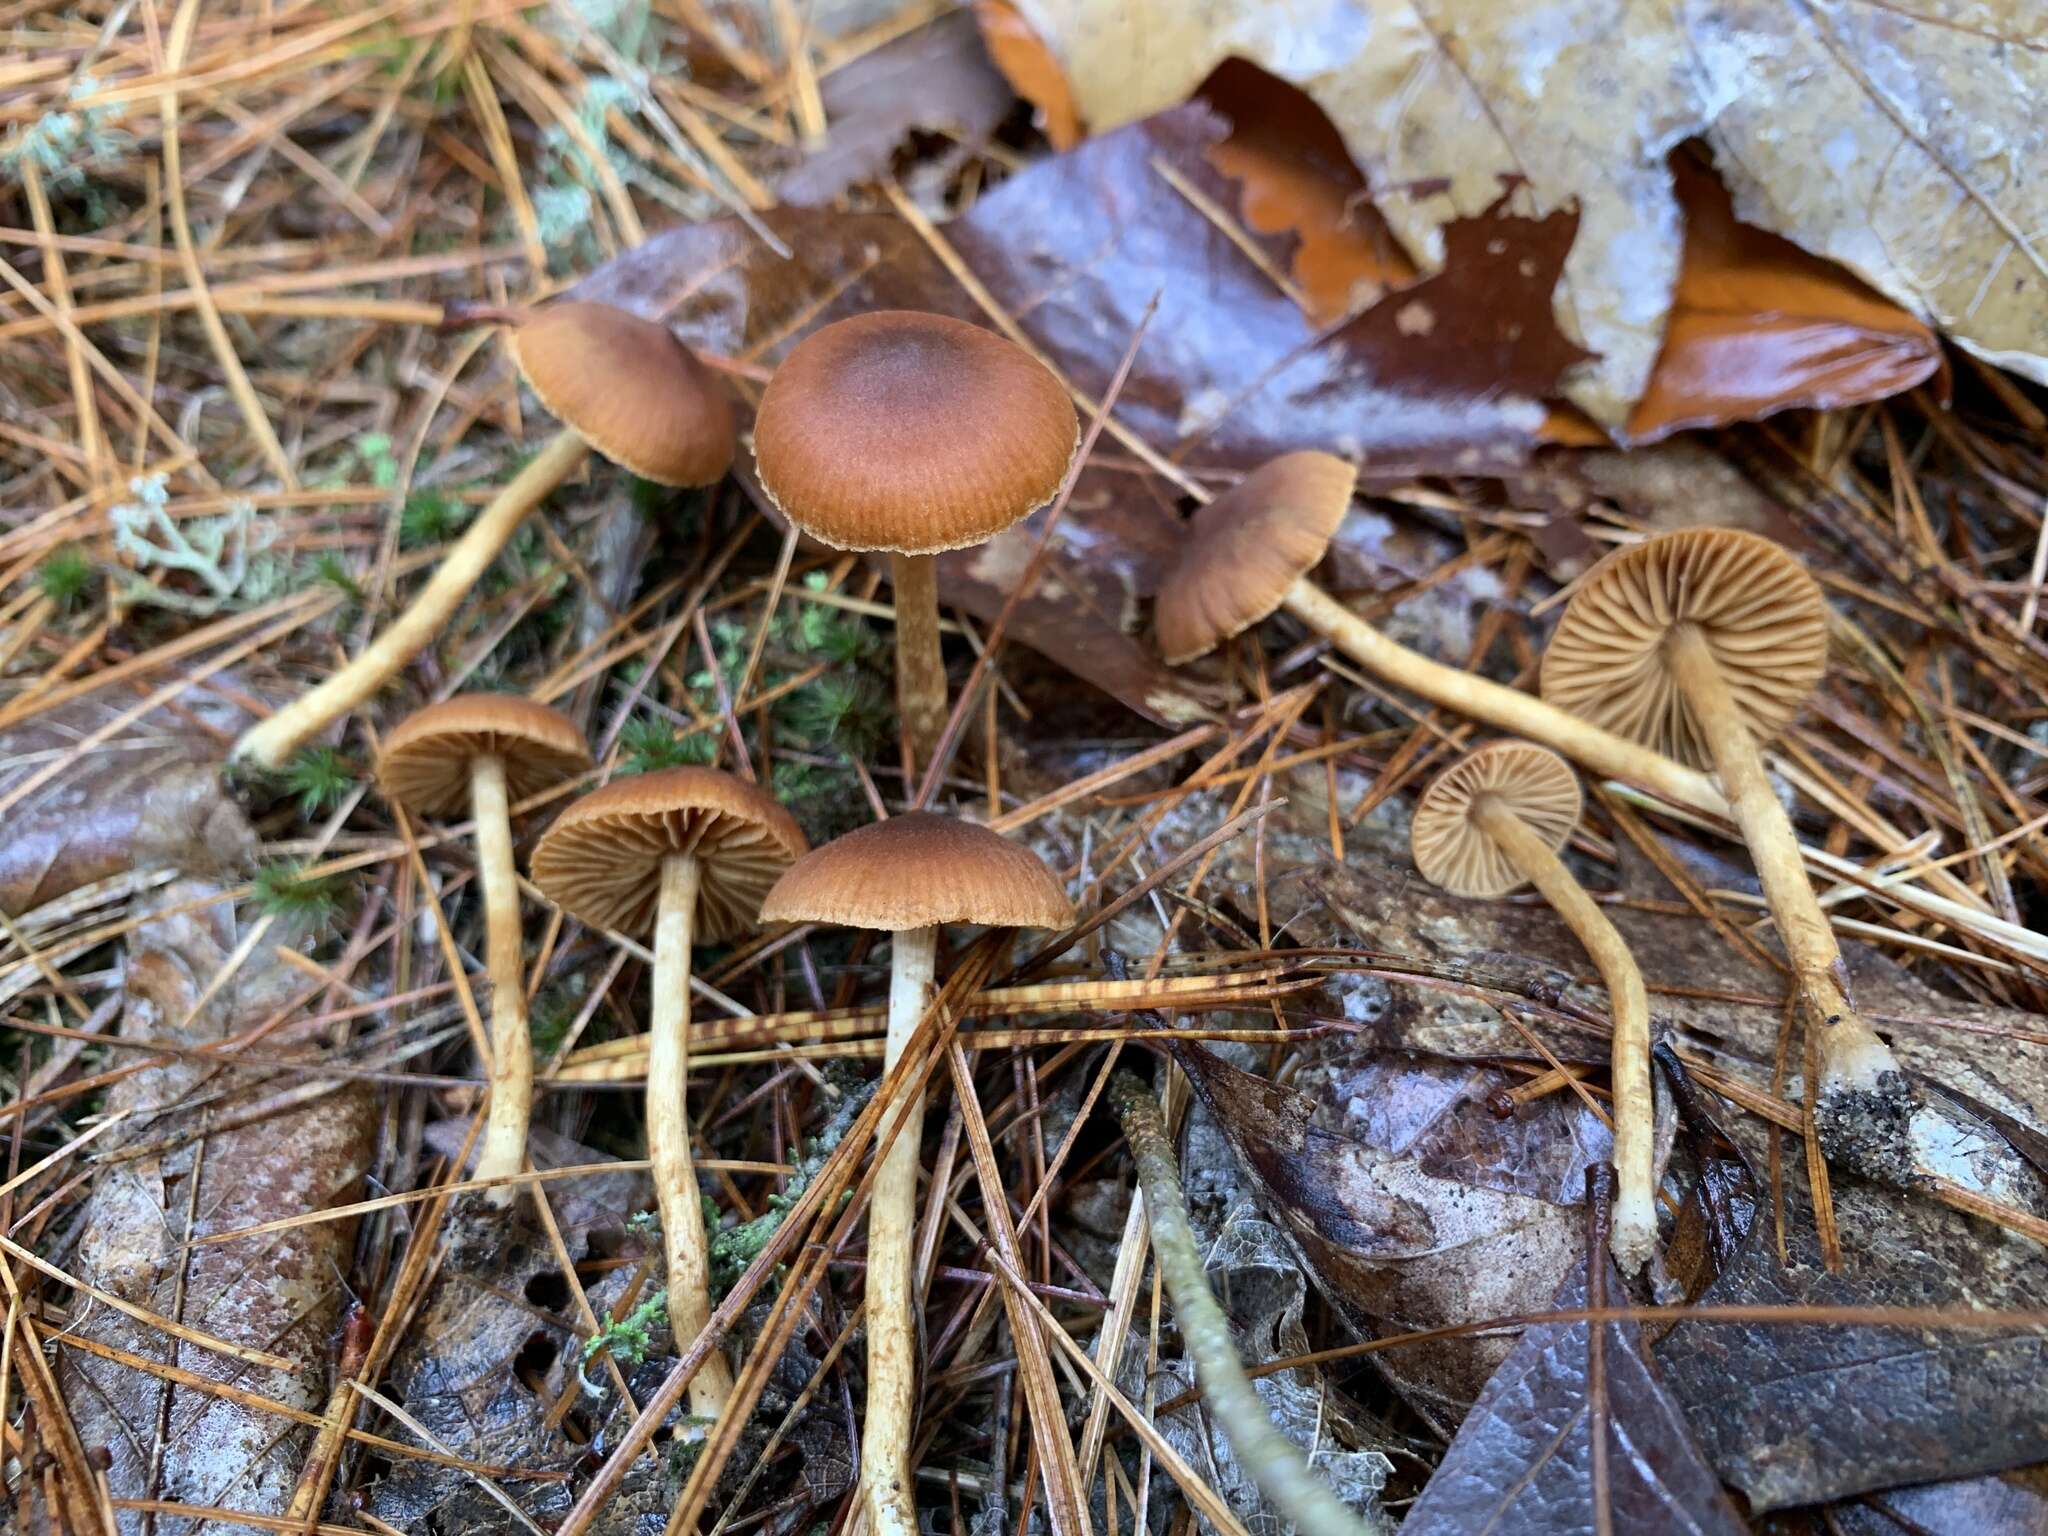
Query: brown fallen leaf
{"points": [[208, 1151], [1907, 149], [2015, 1503], [1524, 1460], [935, 79], [1802, 1413], [148, 795]]}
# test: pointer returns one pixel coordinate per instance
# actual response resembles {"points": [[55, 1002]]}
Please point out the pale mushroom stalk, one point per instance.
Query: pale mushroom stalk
{"points": [[920, 663], [1249, 553], [892, 1225], [1506, 709], [271, 743], [504, 1145], [1853, 1060], [1633, 1235], [621, 386], [683, 1240]]}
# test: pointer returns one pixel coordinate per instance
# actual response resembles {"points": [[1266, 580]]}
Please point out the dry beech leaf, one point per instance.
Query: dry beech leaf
{"points": [[1909, 150], [1523, 1461], [1035, 73]]}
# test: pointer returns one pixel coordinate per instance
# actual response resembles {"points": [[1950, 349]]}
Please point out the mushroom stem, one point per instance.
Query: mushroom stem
{"points": [[920, 665], [892, 1224], [1633, 1235], [1862, 1104], [270, 744], [504, 1149], [1507, 709], [668, 1133]]}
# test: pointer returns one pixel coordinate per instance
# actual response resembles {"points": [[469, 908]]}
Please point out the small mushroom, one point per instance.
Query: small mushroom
{"points": [[913, 434], [907, 877], [1495, 820], [1247, 555], [621, 385], [684, 853], [1703, 644], [480, 752]]}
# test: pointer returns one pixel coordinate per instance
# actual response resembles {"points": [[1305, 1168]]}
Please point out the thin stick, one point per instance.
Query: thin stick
{"points": [[920, 665], [668, 1133], [1633, 1234], [511, 1064], [1862, 1102], [272, 743], [1274, 1462], [885, 1480]]}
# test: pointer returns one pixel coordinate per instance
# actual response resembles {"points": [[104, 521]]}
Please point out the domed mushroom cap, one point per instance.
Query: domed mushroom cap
{"points": [[426, 759], [918, 870], [601, 860], [629, 389], [1246, 548], [911, 432], [1454, 852], [1761, 615]]}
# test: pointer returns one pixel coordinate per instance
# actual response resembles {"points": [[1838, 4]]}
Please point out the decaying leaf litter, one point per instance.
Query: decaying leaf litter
{"points": [[246, 407]]}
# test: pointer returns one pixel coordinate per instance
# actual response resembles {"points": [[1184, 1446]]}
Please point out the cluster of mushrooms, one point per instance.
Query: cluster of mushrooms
{"points": [[913, 434]]}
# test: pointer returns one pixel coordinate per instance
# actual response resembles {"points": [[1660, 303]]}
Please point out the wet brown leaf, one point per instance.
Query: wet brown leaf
{"points": [[1524, 1460], [1799, 1414], [1907, 149], [149, 795]]}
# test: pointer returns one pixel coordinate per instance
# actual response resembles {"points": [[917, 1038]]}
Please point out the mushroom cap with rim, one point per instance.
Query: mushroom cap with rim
{"points": [[919, 870], [628, 388], [912, 433], [1246, 548], [601, 861], [426, 759], [1761, 614], [1454, 852]]}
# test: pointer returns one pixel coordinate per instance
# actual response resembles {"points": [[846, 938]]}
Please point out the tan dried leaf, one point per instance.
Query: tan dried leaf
{"points": [[1908, 148]]}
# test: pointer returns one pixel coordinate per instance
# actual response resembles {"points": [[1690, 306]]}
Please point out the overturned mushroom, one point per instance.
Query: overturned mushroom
{"points": [[480, 752], [686, 853], [1495, 821], [1248, 554], [906, 877], [913, 434], [1703, 644], [621, 385]]}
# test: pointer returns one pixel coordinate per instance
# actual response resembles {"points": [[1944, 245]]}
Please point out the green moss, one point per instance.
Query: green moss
{"points": [[319, 778], [299, 903], [65, 576]]}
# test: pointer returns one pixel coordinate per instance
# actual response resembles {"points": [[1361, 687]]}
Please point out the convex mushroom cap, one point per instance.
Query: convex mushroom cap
{"points": [[918, 870], [912, 433], [1246, 548], [1759, 612], [602, 859], [629, 389], [1455, 853], [425, 763]]}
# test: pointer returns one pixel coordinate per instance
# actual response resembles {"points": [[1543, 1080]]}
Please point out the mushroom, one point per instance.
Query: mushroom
{"points": [[907, 876], [1487, 824], [685, 853], [1248, 554], [481, 752], [621, 385], [1702, 644], [913, 434]]}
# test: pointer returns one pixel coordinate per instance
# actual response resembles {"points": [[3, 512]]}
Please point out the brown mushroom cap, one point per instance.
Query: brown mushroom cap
{"points": [[911, 432], [1761, 614], [918, 870], [1246, 548], [1453, 851], [629, 389], [426, 759], [601, 860]]}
